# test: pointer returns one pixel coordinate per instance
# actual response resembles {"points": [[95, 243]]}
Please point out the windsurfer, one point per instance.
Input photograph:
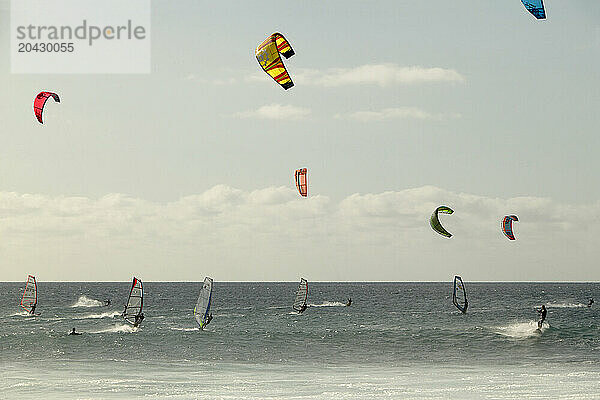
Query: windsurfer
{"points": [[542, 311], [138, 320]]}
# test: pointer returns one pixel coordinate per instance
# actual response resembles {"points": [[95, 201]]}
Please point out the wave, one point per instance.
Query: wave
{"points": [[232, 315], [565, 305], [184, 329], [329, 304], [118, 329], [521, 330], [85, 301], [101, 315]]}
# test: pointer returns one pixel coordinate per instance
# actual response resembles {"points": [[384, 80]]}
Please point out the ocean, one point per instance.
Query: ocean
{"points": [[396, 341]]}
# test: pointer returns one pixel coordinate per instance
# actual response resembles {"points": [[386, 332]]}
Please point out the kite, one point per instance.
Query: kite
{"points": [[435, 222], [40, 102], [302, 181], [268, 56], [535, 7], [507, 226]]}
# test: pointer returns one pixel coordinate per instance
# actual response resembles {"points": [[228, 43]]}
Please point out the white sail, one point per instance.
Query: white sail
{"points": [[135, 302], [202, 309], [301, 296], [29, 299]]}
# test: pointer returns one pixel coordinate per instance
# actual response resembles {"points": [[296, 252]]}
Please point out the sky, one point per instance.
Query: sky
{"points": [[398, 107]]}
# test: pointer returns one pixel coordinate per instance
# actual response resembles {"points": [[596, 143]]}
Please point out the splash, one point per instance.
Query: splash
{"points": [[85, 301], [184, 329], [328, 304], [118, 329], [20, 314], [521, 330], [101, 315], [565, 305]]}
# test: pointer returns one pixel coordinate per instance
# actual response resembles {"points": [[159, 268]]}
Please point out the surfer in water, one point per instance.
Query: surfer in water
{"points": [[542, 311], [107, 302], [349, 302], [590, 303], [73, 333], [138, 320]]}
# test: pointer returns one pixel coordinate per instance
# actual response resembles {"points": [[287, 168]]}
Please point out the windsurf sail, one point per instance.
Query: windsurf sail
{"points": [[135, 302], [459, 296], [202, 309], [29, 299], [301, 296]]}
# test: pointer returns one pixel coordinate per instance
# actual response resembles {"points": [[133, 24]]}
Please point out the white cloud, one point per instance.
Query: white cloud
{"points": [[393, 114], [273, 234], [377, 74], [276, 111], [369, 74]]}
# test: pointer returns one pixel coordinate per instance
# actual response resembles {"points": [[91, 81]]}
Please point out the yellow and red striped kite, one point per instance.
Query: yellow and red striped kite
{"points": [[268, 56]]}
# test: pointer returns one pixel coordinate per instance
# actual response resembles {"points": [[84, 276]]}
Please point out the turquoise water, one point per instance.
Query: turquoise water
{"points": [[397, 340]]}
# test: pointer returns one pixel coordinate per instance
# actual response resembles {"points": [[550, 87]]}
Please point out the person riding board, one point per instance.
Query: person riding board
{"points": [[590, 303], [349, 302], [542, 311], [209, 318], [74, 333], [302, 308], [138, 320], [32, 309]]}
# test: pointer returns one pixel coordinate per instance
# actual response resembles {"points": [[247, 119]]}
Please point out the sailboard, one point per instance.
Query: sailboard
{"points": [[29, 299], [202, 309], [135, 301], [301, 296], [459, 295]]}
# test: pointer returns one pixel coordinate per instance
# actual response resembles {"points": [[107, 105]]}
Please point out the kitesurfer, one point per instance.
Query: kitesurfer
{"points": [[349, 302], [138, 320], [590, 303], [74, 333], [542, 311]]}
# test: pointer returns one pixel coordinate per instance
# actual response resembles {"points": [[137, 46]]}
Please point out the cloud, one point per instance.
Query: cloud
{"points": [[273, 234], [370, 74], [377, 74], [276, 111], [394, 114]]}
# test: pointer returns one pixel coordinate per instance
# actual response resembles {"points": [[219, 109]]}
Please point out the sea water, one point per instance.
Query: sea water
{"points": [[396, 340]]}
